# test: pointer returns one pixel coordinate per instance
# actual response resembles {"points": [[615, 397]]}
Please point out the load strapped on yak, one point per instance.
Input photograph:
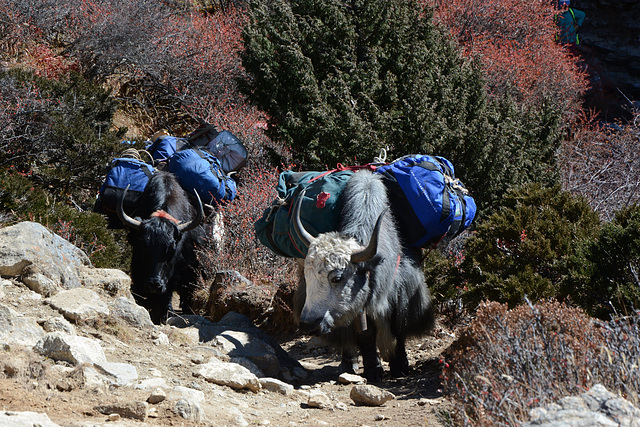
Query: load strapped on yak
{"points": [[203, 161], [429, 203]]}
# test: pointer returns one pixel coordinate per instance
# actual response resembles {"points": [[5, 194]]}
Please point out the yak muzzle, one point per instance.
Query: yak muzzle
{"points": [[309, 328], [155, 286]]}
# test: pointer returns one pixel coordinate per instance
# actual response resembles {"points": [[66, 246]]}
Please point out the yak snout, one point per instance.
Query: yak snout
{"points": [[309, 328], [156, 285], [315, 324]]}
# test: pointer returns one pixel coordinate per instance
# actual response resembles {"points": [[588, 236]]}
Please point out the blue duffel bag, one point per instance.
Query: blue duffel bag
{"points": [[200, 170], [428, 201], [124, 172]]}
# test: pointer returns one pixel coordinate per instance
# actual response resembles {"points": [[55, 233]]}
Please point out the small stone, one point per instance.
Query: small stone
{"points": [[346, 378], [157, 395], [369, 395], [189, 410], [318, 399], [341, 406], [114, 417]]}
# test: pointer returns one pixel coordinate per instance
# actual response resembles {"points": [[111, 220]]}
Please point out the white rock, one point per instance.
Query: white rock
{"points": [[275, 385], [70, 348], [229, 374], [79, 304], [179, 392], [370, 395], [25, 419]]}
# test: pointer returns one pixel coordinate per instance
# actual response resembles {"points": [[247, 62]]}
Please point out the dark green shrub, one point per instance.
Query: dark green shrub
{"points": [[87, 230], [57, 133], [520, 250], [605, 274], [341, 80]]}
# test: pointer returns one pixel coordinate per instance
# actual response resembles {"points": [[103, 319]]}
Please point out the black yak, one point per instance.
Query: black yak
{"points": [[163, 237], [361, 288]]}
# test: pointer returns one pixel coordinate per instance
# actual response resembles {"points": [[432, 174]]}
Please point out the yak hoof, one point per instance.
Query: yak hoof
{"points": [[399, 368], [347, 367], [349, 363], [374, 375]]}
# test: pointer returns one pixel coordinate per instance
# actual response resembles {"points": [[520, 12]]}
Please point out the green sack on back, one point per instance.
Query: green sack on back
{"points": [[320, 210]]}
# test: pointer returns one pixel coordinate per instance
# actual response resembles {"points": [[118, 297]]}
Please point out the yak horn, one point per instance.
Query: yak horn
{"points": [[183, 228], [126, 219], [372, 248], [303, 234]]}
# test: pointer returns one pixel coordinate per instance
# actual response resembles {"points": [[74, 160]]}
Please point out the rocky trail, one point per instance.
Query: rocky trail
{"points": [[75, 350]]}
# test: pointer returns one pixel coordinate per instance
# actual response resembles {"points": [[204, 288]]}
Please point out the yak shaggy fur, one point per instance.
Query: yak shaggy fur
{"points": [[390, 287], [163, 257]]}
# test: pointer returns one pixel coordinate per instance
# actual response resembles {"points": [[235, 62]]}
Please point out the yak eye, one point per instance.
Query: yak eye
{"points": [[335, 277]]}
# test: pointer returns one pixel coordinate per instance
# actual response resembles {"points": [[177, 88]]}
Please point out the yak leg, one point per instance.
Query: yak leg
{"points": [[349, 363], [366, 341], [159, 307], [186, 299], [399, 364]]}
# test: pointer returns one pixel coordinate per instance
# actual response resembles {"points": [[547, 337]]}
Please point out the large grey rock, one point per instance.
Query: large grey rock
{"points": [[16, 329], [79, 304], [236, 336], [70, 348], [29, 243], [597, 408]]}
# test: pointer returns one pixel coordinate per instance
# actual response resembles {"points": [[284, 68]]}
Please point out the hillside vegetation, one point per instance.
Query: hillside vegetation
{"points": [[308, 84]]}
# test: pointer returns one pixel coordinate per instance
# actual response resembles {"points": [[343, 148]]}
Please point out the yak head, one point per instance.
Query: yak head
{"points": [[158, 247], [337, 272]]}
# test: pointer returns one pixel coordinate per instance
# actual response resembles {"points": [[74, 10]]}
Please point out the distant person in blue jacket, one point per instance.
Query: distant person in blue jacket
{"points": [[569, 21]]}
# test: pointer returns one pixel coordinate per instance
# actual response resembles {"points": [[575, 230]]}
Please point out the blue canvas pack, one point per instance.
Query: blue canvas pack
{"points": [[429, 203], [320, 210], [166, 146], [200, 170], [123, 172]]}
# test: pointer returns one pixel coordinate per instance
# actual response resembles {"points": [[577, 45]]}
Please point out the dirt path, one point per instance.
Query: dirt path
{"points": [[30, 383]]}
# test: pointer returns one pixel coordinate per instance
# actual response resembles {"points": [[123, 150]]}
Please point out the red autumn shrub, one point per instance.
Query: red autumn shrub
{"points": [[515, 40], [507, 362], [24, 43], [272, 279]]}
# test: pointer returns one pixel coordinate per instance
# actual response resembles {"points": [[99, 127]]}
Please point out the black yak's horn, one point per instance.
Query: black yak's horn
{"points": [[195, 221], [124, 218]]}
